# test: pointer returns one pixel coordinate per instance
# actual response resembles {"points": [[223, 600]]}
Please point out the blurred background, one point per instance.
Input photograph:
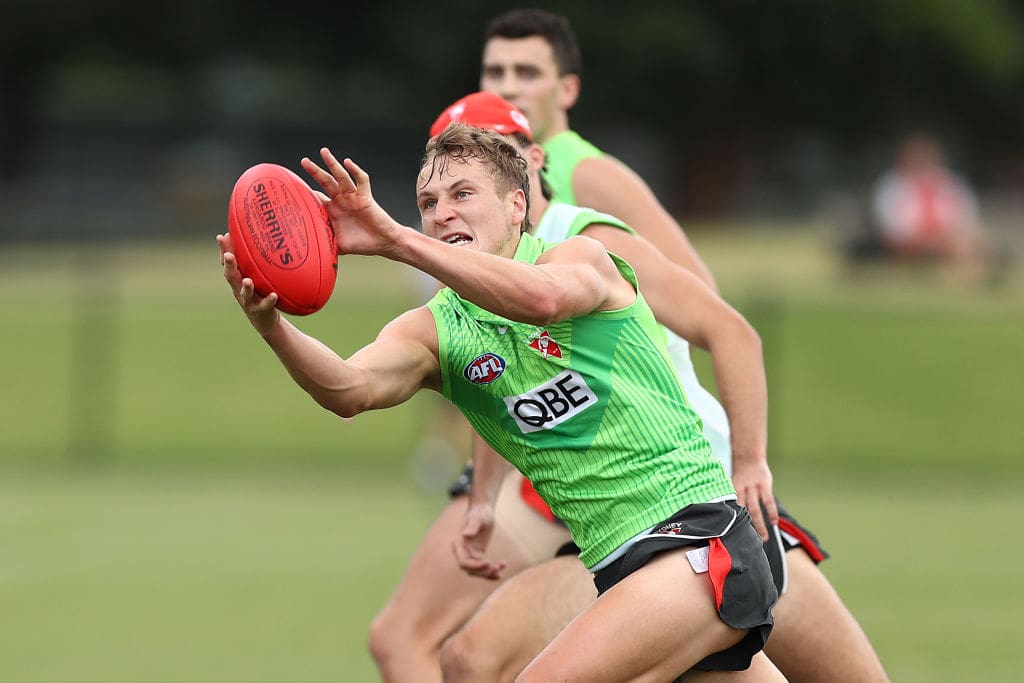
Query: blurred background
{"points": [[174, 508]]}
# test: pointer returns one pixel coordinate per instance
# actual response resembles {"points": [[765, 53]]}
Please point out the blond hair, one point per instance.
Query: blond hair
{"points": [[462, 143]]}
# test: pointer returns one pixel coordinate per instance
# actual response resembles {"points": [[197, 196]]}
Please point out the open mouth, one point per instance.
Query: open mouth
{"points": [[458, 239]]}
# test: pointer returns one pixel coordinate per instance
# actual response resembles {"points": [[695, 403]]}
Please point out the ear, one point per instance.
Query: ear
{"points": [[569, 91], [535, 156], [518, 207]]}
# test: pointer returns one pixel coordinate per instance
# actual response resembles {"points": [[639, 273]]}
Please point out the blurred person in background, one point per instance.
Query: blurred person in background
{"points": [[923, 212], [619, 436]]}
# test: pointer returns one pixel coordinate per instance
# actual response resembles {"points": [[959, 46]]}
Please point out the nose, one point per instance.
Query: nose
{"points": [[501, 82], [508, 86], [444, 212]]}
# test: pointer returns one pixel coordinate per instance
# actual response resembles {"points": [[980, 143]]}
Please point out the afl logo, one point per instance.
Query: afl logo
{"points": [[485, 369]]}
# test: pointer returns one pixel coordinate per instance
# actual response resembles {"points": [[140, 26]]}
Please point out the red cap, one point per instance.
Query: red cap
{"points": [[484, 110]]}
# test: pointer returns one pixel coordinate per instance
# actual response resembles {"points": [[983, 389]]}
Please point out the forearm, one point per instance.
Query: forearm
{"points": [[518, 291], [326, 377], [489, 470], [739, 373]]}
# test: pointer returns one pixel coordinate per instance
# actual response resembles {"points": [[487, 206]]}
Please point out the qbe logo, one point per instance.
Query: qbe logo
{"points": [[551, 403], [484, 369]]}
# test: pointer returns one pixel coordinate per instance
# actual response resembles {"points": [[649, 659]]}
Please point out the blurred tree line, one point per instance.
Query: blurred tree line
{"points": [[731, 92]]}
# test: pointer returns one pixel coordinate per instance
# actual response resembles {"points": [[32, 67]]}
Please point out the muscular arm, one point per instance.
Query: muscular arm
{"points": [[574, 278], [384, 373], [606, 184], [489, 470]]}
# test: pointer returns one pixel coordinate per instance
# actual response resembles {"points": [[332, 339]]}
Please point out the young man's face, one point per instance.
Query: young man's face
{"points": [[461, 205], [524, 72]]}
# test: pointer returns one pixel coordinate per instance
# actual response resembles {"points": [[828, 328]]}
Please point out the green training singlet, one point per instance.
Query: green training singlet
{"points": [[559, 223], [589, 409], [564, 151]]}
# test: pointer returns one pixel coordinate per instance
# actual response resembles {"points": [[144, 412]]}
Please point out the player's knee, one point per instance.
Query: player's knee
{"points": [[462, 659]]}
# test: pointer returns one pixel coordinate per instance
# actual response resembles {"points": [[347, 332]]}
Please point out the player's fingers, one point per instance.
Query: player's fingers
{"points": [[322, 177], [483, 568], [362, 177], [466, 558], [225, 243], [492, 571], [230, 267], [337, 170], [771, 508], [266, 303], [757, 517], [245, 292], [741, 497]]}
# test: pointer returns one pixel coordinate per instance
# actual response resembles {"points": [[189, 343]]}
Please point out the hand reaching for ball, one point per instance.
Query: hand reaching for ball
{"points": [[361, 226]]}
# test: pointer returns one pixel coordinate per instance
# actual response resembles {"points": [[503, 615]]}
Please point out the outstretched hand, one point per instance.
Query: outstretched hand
{"points": [[472, 543], [361, 226], [260, 310]]}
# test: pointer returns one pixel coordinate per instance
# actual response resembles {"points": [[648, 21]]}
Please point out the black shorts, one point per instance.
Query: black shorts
{"points": [[738, 568], [789, 534], [795, 535], [464, 482]]}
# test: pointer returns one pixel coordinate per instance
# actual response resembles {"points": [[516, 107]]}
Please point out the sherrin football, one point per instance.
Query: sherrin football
{"points": [[282, 238]]}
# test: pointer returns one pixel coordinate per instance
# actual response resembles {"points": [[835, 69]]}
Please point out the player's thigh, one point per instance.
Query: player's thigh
{"points": [[435, 596], [656, 623], [526, 613], [536, 538]]}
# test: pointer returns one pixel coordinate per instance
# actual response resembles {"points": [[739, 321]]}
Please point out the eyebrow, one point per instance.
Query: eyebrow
{"points": [[454, 187], [517, 66]]}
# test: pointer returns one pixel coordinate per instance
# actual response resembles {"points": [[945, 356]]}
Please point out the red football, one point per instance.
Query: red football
{"points": [[282, 238]]}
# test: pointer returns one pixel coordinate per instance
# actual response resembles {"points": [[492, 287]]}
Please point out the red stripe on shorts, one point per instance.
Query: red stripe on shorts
{"points": [[806, 542], [533, 499], [719, 566]]}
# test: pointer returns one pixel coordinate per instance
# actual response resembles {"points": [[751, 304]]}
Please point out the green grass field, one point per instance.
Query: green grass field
{"points": [[173, 508]]}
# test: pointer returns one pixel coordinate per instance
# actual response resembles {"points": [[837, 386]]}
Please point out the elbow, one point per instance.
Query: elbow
{"points": [[345, 412], [737, 334], [745, 332], [343, 404], [548, 309], [544, 308], [754, 339], [549, 312]]}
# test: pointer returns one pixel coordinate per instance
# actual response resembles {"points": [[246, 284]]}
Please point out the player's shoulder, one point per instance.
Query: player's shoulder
{"points": [[575, 249], [413, 323], [571, 141]]}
